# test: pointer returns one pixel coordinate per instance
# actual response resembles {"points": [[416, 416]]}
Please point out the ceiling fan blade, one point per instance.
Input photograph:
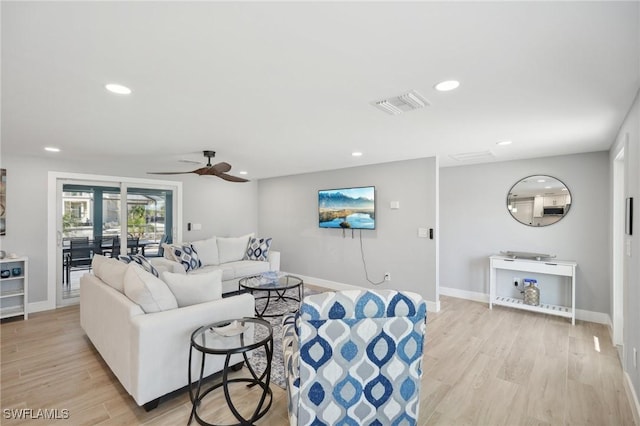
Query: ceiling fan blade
{"points": [[231, 178], [222, 167], [206, 170], [169, 173]]}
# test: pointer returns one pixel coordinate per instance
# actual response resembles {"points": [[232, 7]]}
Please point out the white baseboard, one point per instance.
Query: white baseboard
{"points": [[45, 305], [632, 397], [464, 294], [334, 285], [591, 316], [581, 314]]}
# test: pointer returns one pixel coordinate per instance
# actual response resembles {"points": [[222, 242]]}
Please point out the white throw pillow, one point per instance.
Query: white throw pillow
{"points": [[191, 289], [231, 249], [168, 251], [207, 251], [150, 292], [165, 265], [110, 271]]}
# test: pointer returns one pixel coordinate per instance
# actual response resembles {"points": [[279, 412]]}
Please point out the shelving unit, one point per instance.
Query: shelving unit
{"points": [[14, 289], [555, 267]]}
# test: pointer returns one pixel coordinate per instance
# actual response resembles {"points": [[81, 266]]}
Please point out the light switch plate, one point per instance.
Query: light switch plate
{"points": [[423, 232]]}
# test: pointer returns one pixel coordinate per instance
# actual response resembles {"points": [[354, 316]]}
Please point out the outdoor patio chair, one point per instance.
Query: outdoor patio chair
{"points": [[79, 257], [103, 245], [355, 357], [155, 249]]}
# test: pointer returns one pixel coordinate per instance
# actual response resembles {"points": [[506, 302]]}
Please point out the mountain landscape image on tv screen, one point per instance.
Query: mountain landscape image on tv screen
{"points": [[347, 208]]}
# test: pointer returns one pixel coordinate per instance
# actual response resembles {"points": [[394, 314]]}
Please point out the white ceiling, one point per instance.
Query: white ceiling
{"points": [[286, 88]]}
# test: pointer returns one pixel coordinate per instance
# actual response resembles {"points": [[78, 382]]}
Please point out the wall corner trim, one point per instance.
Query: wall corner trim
{"points": [[632, 398]]}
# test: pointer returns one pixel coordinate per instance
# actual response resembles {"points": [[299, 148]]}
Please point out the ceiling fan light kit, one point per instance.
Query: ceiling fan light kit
{"points": [[220, 170]]}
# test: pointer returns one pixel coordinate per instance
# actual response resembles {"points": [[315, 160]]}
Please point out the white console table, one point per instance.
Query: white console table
{"points": [[553, 267]]}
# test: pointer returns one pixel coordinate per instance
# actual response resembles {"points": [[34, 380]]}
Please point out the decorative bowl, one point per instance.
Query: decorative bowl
{"points": [[5, 273]]}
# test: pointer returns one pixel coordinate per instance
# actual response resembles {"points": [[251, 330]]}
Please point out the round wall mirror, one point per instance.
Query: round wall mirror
{"points": [[539, 200]]}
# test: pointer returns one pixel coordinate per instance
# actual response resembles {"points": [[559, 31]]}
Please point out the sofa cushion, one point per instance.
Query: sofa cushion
{"points": [[207, 251], [191, 289], [165, 265], [245, 268], [227, 271], [139, 259], [109, 270], [258, 249], [150, 292], [231, 249], [187, 256]]}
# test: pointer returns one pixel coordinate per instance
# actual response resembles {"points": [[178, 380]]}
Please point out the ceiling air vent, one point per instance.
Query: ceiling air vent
{"points": [[403, 103], [473, 156]]}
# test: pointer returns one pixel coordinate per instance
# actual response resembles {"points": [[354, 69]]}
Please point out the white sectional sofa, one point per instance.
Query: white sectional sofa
{"points": [[146, 342], [228, 254]]}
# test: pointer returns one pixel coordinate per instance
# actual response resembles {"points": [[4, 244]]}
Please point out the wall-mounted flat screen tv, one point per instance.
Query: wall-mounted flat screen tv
{"points": [[347, 208]]}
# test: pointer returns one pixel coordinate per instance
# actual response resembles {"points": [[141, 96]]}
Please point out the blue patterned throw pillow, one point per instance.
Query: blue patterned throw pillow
{"points": [[258, 249], [187, 256], [140, 260]]}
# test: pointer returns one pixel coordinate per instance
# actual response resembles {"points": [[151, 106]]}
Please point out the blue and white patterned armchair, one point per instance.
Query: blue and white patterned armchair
{"points": [[355, 358]]}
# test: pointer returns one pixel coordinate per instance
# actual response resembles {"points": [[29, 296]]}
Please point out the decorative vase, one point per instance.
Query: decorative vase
{"points": [[531, 293], [16, 271], [5, 273]]}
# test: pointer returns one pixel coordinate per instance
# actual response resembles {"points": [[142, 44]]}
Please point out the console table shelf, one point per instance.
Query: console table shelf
{"points": [[559, 268], [13, 289]]}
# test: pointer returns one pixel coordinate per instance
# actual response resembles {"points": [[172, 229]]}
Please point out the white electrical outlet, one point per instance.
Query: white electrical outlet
{"points": [[387, 276], [516, 281]]}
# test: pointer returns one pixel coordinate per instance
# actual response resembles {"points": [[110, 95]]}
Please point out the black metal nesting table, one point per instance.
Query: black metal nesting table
{"points": [[275, 289], [210, 342]]}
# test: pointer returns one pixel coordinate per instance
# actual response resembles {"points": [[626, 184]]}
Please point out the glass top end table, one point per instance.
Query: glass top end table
{"points": [[239, 336], [275, 286]]}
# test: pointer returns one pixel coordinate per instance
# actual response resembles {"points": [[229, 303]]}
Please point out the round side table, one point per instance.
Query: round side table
{"points": [[222, 338], [275, 289]]}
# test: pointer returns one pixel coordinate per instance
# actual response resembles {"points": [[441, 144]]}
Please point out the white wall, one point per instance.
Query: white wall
{"points": [[221, 207], [630, 131], [475, 223], [289, 214]]}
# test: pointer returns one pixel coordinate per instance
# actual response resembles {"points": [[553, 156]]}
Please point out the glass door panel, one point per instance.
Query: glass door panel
{"points": [[149, 221], [90, 221]]}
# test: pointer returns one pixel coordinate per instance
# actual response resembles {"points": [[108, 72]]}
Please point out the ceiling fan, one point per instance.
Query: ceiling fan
{"points": [[220, 170]]}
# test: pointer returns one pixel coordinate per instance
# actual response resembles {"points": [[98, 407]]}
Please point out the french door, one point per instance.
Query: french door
{"points": [[108, 216]]}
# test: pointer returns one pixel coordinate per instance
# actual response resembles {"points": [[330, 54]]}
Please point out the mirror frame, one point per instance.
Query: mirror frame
{"points": [[539, 225]]}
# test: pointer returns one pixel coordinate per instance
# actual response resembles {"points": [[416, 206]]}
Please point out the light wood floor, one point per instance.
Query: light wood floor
{"points": [[481, 367]]}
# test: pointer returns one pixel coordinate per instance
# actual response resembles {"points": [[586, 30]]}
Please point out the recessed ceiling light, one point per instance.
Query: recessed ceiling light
{"points": [[445, 86], [356, 154], [52, 149], [243, 172], [502, 143], [117, 88]]}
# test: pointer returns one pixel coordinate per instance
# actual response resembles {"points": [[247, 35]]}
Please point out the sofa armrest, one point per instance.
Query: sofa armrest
{"points": [[105, 316], [160, 345], [291, 357], [274, 260]]}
